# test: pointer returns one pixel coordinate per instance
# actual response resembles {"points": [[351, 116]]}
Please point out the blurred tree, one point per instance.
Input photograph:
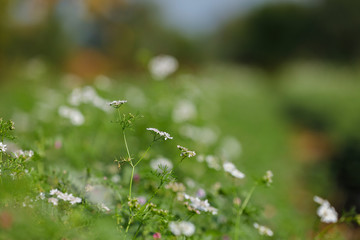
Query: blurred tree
{"points": [[275, 33]]}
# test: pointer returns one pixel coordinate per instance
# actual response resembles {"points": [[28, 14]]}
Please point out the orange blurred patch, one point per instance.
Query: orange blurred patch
{"points": [[88, 63], [6, 220]]}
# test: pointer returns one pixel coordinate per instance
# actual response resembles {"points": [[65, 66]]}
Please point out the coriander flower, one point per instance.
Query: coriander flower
{"points": [[268, 177], [182, 228], [54, 201], [325, 211], [230, 168], [186, 152], [199, 205], [65, 196], [263, 230], [117, 104], [162, 134], [2, 147]]}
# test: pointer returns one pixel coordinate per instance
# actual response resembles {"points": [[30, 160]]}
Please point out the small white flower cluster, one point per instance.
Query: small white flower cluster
{"points": [[63, 196], [211, 161], [2, 147], [24, 154], [263, 230], [325, 211], [176, 187], [75, 116], [117, 103], [186, 152], [161, 161], [104, 207], [162, 134], [230, 168], [199, 205], [87, 94], [268, 177], [162, 66], [182, 228]]}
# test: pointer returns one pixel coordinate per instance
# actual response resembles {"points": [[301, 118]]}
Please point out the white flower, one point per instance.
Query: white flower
{"points": [[183, 111], [162, 66], [65, 196], [186, 152], [200, 205], [74, 200], [117, 104], [165, 135], [161, 162], [54, 192], [263, 230], [203, 135], [182, 228], [325, 211], [75, 116], [268, 177], [104, 207], [2, 147], [54, 201], [42, 196], [230, 168], [25, 154]]}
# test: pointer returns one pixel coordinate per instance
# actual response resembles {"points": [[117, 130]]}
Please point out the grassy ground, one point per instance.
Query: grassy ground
{"points": [[231, 102]]}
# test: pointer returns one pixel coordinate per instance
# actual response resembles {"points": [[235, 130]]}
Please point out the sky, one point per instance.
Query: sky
{"points": [[204, 16]]}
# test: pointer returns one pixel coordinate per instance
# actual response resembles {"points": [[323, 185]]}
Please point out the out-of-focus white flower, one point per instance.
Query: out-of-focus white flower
{"points": [[200, 193], [102, 82], [2, 147], [42, 196], [54, 201], [117, 103], [161, 162], [162, 66], [65, 196], [268, 177], [263, 230], [182, 228], [212, 162], [183, 111], [203, 135], [104, 207], [200, 205], [54, 192], [230, 168], [176, 187], [162, 134], [325, 211], [141, 200], [229, 148], [87, 95], [75, 116]]}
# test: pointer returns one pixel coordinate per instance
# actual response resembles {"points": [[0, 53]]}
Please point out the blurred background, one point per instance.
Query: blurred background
{"points": [[280, 76]]}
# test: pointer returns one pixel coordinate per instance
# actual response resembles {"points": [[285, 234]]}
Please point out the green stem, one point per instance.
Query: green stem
{"points": [[129, 223], [142, 157], [241, 210], [137, 231], [324, 231]]}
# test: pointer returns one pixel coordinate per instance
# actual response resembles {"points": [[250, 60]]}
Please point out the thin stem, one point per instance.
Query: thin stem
{"points": [[241, 210], [143, 155], [324, 231], [129, 223], [137, 231]]}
